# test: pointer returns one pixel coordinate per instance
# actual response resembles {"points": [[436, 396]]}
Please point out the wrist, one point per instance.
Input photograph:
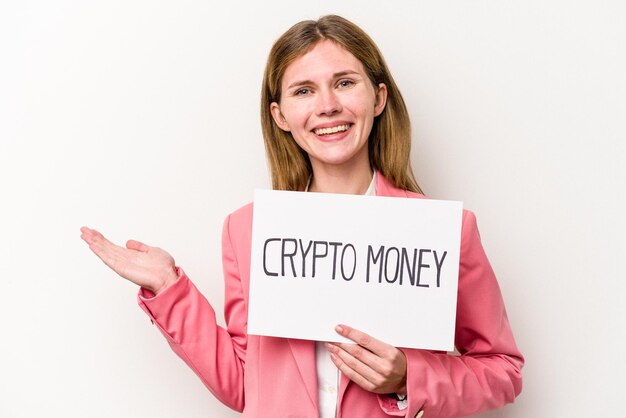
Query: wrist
{"points": [[400, 388], [171, 275]]}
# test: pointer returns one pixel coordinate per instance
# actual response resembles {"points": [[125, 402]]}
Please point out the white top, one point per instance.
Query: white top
{"points": [[327, 373]]}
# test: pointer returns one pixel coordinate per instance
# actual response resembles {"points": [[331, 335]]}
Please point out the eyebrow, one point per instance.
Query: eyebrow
{"points": [[336, 75]]}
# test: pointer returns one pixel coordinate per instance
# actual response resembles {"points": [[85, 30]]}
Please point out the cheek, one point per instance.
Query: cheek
{"points": [[363, 105], [295, 116], [366, 114]]}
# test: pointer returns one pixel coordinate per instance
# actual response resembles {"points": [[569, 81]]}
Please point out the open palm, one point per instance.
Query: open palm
{"points": [[149, 267]]}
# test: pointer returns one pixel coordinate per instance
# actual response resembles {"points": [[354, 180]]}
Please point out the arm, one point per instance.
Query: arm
{"points": [[188, 322]]}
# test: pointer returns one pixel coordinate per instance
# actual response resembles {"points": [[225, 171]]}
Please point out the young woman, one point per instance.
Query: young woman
{"points": [[333, 121]]}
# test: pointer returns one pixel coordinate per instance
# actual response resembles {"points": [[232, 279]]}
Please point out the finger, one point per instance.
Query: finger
{"points": [[362, 363], [87, 234], [356, 352], [108, 252], [352, 374], [384, 359], [100, 245], [91, 236], [131, 244], [377, 347]]}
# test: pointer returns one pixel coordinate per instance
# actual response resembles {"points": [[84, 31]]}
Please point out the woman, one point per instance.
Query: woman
{"points": [[333, 121]]}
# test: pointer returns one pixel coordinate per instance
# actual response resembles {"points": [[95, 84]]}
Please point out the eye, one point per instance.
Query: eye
{"points": [[301, 92], [345, 83]]}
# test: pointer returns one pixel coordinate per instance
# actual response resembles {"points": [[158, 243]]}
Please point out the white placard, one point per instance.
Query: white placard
{"points": [[387, 266]]}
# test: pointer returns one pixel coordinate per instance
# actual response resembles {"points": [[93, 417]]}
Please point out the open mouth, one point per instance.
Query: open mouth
{"points": [[332, 130]]}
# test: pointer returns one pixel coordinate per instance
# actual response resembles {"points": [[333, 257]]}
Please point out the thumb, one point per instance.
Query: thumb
{"points": [[131, 244]]}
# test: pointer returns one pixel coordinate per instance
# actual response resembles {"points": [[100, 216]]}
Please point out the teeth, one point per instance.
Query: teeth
{"points": [[333, 130]]}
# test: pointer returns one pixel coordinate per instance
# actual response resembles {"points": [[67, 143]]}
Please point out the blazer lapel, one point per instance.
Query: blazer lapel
{"points": [[304, 354]]}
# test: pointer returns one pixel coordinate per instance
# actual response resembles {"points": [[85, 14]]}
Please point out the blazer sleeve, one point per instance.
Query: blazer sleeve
{"points": [[487, 372], [187, 320]]}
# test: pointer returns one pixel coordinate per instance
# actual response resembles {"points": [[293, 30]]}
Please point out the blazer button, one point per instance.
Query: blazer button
{"points": [[419, 414]]}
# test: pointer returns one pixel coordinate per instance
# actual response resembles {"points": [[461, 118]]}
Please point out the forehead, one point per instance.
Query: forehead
{"points": [[323, 61]]}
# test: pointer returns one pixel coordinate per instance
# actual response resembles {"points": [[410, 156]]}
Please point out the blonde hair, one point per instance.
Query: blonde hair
{"points": [[389, 143]]}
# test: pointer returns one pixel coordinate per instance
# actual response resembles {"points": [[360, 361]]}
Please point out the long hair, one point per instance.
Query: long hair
{"points": [[389, 143]]}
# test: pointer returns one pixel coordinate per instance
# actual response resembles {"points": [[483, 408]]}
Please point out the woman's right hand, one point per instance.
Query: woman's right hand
{"points": [[149, 267]]}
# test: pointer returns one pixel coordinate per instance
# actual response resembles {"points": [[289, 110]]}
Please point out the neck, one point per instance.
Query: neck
{"points": [[329, 180]]}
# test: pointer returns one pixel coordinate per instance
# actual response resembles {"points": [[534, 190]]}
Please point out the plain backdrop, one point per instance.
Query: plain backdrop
{"points": [[141, 118]]}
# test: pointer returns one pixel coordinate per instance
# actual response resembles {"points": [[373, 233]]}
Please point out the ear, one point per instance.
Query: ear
{"points": [[381, 99], [278, 117]]}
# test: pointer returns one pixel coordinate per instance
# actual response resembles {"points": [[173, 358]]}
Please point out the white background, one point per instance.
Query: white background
{"points": [[141, 118]]}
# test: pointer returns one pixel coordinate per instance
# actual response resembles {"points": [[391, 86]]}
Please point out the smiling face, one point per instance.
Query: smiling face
{"points": [[328, 103]]}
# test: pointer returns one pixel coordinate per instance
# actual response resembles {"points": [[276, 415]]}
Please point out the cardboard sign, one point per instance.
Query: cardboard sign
{"points": [[384, 265]]}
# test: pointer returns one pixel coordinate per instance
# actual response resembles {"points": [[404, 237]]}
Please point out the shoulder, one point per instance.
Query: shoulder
{"points": [[469, 224], [385, 188], [243, 214], [469, 228], [414, 195], [238, 224]]}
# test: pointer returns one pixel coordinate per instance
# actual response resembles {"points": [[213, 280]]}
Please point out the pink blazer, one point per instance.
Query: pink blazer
{"points": [[276, 377]]}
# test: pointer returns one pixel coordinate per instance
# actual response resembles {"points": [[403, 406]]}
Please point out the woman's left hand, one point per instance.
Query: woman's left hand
{"points": [[372, 364]]}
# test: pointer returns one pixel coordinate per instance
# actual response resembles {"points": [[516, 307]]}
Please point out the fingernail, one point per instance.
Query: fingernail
{"points": [[339, 329]]}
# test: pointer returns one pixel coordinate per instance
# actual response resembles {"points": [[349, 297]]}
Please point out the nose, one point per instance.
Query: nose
{"points": [[328, 103]]}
